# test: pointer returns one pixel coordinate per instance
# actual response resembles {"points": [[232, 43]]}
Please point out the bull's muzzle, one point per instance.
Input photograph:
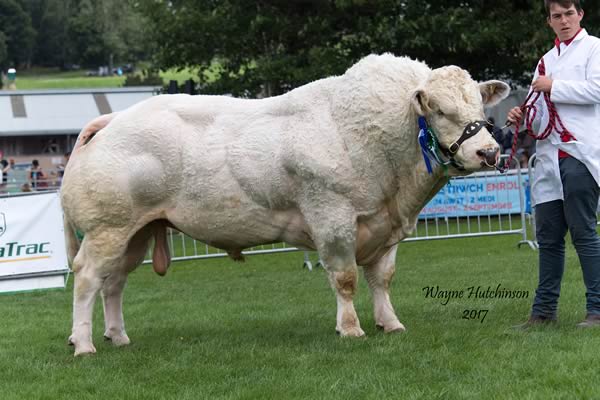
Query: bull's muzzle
{"points": [[489, 157]]}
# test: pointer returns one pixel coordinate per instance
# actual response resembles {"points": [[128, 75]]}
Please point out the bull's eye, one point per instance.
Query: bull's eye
{"points": [[440, 113]]}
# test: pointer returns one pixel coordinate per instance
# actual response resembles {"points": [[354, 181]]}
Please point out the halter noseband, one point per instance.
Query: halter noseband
{"points": [[470, 130], [430, 145]]}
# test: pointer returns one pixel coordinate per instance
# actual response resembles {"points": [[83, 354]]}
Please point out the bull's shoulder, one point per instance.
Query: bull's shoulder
{"points": [[314, 152]]}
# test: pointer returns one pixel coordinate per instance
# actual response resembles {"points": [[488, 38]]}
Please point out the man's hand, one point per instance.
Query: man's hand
{"points": [[542, 84], [514, 114]]}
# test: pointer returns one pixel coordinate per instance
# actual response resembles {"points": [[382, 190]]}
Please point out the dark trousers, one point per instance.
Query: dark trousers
{"points": [[577, 214]]}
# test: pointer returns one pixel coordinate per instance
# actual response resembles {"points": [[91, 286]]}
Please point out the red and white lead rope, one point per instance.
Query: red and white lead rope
{"points": [[529, 110]]}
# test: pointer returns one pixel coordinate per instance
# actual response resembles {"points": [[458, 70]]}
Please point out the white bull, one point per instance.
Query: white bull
{"points": [[334, 165]]}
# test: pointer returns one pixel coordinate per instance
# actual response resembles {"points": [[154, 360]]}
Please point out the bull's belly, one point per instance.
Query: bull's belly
{"points": [[234, 230]]}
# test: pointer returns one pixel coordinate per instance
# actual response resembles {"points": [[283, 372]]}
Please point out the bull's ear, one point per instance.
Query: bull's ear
{"points": [[492, 92], [420, 102]]}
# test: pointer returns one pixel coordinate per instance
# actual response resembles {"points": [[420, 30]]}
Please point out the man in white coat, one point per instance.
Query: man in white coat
{"points": [[567, 171]]}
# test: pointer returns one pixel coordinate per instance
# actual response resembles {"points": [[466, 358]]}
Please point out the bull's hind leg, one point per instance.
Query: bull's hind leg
{"points": [[379, 276], [87, 284], [112, 291], [98, 257], [112, 297]]}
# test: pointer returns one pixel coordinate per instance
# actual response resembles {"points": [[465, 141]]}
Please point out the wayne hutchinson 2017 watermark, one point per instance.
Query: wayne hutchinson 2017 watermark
{"points": [[473, 292]]}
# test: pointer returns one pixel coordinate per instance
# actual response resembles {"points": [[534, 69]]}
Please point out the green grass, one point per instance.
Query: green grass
{"points": [[264, 329], [54, 79], [179, 76]]}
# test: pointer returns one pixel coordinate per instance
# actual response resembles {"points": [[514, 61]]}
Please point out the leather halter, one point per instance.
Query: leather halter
{"points": [[430, 146], [470, 130]]}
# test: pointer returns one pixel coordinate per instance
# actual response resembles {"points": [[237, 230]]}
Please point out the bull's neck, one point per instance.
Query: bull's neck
{"points": [[415, 189], [388, 144], [415, 185]]}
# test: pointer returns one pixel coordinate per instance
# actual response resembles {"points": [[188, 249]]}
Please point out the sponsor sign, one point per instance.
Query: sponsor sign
{"points": [[32, 243], [479, 195]]}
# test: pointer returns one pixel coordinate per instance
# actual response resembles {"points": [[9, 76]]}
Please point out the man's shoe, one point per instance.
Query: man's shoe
{"points": [[591, 320], [536, 320]]}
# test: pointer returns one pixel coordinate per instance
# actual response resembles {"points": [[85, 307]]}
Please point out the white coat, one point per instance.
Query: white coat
{"points": [[576, 95], [334, 165]]}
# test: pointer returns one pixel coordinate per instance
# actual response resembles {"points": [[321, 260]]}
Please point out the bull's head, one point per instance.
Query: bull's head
{"points": [[452, 104]]}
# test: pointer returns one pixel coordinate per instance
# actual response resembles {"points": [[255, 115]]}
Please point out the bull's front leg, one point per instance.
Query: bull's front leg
{"points": [[334, 233], [344, 282], [379, 277]]}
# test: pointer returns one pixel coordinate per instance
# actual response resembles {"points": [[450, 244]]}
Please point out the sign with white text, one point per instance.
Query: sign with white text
{"points": [[32, 243], [479, 195]]}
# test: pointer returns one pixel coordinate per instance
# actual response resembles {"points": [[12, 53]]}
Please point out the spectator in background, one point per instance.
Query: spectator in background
{"points": [[36, 176], [526, 143], [5, 168], [507, 142], [525, 146], [51, 147], [61, 167], [522, 157], [496, 132]]}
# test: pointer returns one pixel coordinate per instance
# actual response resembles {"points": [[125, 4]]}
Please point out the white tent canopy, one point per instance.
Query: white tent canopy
{"points": [[62, 112]]}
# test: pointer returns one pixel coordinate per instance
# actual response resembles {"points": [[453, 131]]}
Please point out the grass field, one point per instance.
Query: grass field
{"points": [[53, 79], [264, 329]]}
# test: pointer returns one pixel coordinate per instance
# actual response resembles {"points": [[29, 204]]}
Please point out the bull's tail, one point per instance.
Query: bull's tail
{"points": [[71, 240], [94, 126]]}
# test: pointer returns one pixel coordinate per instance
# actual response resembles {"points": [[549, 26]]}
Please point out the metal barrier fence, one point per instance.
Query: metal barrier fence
{"points": [[481, 204], [495, 205], [21, 182]]}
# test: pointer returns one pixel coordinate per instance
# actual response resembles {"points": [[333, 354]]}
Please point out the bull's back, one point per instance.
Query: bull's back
{"points": [[204, 163]]}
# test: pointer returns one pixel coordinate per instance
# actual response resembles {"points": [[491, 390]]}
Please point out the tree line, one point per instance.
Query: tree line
{"points": [[270, 46], [63, 33]]}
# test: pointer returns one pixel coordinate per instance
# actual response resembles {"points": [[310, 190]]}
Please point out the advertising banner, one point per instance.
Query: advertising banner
{"points": [[32, 244], [480, 195]]}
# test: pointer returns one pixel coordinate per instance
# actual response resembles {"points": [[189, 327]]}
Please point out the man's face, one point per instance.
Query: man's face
{"points": [[564, 21]]}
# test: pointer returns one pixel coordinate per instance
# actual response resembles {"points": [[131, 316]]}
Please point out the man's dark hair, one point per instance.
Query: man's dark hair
{"points": [[562, 3]]}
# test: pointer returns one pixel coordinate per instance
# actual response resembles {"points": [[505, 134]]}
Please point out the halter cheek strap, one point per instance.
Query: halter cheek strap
{"points": [[430, 146], [470, 130]]}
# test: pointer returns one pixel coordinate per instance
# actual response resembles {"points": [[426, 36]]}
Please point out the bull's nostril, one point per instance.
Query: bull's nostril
{"points": [[489, 156]]}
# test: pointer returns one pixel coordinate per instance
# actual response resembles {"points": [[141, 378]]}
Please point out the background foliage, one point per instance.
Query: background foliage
{"points": [[270, 46], [67, 32]]}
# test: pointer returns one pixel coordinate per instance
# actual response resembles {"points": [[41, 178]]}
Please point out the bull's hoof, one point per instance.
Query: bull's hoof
{"points": [[394, 327], [85, 350], [118, 339], [350, 332], [82, 347]]}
